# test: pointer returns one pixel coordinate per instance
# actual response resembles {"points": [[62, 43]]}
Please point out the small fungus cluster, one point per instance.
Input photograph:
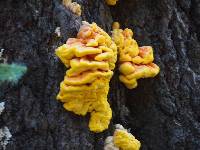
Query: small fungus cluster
{"points": [[111, 2], [90, 58], [73, 6], [135, 62], [121, 140]]}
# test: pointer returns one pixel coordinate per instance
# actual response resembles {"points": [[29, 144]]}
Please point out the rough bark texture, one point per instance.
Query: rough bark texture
{"points": [[163, 113]]}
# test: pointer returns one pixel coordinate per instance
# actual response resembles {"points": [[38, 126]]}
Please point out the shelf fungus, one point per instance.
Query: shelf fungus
{"points": [[72, 6], [121, 140], [111, 2], [90, 58], [134, 62]]}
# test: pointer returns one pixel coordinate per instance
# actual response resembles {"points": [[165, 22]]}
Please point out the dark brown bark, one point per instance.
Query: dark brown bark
{"points": [[163, 112]]}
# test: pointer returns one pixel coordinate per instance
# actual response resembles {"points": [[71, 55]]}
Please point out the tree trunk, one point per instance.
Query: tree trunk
{"points": [[162, 112]]}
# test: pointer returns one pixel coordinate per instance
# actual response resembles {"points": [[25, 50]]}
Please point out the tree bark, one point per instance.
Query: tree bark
{"points": [[162, 112]]}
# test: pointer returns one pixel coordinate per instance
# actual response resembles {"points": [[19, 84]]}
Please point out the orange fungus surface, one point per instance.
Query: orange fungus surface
{"points": [[90, 59], [134, 62]]}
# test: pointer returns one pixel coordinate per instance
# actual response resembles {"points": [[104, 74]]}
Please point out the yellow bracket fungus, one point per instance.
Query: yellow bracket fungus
{"points": [[121, 140], [135, 62], [90, 58], [73, 6], [111, 2]]}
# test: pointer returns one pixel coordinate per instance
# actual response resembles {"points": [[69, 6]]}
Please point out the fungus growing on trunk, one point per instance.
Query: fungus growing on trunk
{"points": [[134, 62], [90, 58], [121, 140], [73, 6], [111, 2]]}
